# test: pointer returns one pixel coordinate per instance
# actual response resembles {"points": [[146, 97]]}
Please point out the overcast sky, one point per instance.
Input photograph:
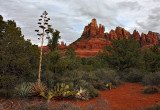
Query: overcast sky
{"points": [[70, 16]]}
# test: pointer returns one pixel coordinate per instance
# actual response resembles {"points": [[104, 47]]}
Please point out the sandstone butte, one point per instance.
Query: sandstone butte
{"points": [[94, 38]]}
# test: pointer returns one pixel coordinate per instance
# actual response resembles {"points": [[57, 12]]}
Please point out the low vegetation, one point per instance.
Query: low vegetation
{"points": [[66, 75]]}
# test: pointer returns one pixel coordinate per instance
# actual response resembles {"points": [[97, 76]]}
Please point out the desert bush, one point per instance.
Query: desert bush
{"points": [[152, 79], [99, 85], [22, 90], [7, 83], [132, 75], [48, 78], [107, 76], [92, 91], [35, 90], [89, 87], [150, 90]]}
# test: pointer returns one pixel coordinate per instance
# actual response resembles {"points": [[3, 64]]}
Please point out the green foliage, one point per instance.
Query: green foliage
{"points": [[8, 82], [110, 86], [152, 59], [57, 64], [152, 79], [89, 87], [132, 75], [23, 90], [71, 54], [151, 90], [53, 42], [107, 76], [92, 91], [61, 90], [52, 59], [124, 53], [17, 56]]}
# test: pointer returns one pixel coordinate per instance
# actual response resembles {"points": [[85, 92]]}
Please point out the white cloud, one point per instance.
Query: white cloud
{"points": [[70, 16]]}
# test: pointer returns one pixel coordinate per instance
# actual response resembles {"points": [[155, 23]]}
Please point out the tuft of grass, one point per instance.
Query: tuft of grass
{"points": [[151, 90]]}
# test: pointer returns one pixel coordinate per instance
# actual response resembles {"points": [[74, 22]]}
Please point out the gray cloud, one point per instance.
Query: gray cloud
{"points": [[70, 16], [132, 5], [152, 22]]}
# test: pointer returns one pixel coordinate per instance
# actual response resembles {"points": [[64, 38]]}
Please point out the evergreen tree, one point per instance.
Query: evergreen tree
{"points": [[123, 53], [152, 59], [18, 57], [53, 42]]}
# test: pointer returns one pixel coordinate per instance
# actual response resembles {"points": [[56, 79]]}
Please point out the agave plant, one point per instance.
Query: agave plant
{"points": [[60, 90], [82, 94], [22, 90], [35, 90]]}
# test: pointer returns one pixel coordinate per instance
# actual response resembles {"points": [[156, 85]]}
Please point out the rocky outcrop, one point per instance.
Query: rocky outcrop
{"points": [[94, 39], [136, 35], [92, 30], [62, 45], [112, 35]]}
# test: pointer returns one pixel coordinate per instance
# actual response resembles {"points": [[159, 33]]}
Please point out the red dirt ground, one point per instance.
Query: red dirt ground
{"points": [[127, 96]]}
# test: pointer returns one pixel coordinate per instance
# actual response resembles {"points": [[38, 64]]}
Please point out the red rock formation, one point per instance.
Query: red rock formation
{"points": [[112, 35], [152, 38], [98, 39], [62, 45], [101, 31], [94, 39], [143, 39], [92, 30], [119, 33], [136, 35], [126, 34]]}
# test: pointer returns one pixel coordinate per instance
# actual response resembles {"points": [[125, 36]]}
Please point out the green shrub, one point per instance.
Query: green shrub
{"points": [[99, 85], [151, 90], [92, 91], [48, 79], [107, 76], [152, 79], [89, 87], [22, 90], [132, 75]]}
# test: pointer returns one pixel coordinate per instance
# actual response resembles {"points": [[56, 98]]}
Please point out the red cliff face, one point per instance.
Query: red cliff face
{"points": [[143, 39], [112, 35], [94, 39], [136, 35], [92, 30], [62, 46], [121, 33], [152, 38]]}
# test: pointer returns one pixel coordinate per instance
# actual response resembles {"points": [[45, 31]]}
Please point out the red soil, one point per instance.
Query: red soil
{"points": [[127, 96]]}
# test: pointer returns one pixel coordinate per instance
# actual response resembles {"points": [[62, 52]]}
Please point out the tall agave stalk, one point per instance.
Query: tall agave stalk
{"points": [[44, 26]]}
